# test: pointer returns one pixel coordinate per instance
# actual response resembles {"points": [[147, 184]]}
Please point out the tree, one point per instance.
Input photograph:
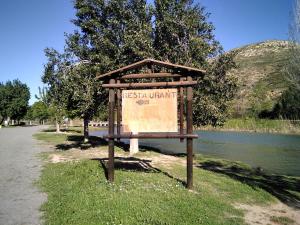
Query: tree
{"points": [[112, 33], [83, 99], [183, 35], [55, 77], [3, 103], [14, 98], [115, 33], [118, 32], [288, 106], [39, 111], [292, 68]]}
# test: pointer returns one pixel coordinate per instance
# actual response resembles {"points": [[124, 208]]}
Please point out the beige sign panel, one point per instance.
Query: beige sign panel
{"points": [[152, 110]]}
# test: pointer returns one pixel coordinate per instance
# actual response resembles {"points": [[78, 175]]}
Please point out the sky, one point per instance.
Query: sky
{"points": [[28, 27]]}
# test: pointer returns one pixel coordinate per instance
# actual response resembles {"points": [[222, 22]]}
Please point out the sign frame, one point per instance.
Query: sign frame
{"points": [[181, 78]]}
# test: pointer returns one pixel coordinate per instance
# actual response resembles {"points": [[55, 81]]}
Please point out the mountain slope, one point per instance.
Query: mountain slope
{"points": [[260, 77]]}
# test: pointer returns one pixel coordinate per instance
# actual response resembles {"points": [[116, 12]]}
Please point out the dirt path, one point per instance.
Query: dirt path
{"points": [[20, 167]]}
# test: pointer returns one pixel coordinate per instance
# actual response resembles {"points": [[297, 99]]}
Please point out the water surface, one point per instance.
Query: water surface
{"points": [[275, 153]]}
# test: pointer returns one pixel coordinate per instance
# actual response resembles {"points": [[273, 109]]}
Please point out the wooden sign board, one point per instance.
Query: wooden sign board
{"points": [[149, 110]]}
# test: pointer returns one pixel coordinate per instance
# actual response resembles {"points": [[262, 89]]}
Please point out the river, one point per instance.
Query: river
{"points": [[275, 153]]}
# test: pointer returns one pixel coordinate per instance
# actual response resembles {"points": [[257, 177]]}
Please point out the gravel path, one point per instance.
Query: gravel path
{"points": [[20, 200]]}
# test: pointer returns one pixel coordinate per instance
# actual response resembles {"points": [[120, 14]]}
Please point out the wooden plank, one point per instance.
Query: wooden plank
{"points": [[111, 129], [177, 66], [150, 62], [151, 136], [149, 75], [119, 108], [131, 66], [189, 141], [146, 85], [181, 110]]}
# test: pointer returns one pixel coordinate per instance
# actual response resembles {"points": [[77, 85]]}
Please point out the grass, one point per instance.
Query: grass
{"points": [[78, 193], [51, 138], [285, 188], [261, 125], [282, 220]]}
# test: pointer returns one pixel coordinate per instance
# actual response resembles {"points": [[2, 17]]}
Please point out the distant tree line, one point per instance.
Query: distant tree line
{"points": [[14, 98], [114, 33]]}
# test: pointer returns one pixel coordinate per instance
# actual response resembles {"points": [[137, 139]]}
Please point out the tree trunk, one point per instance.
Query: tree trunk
{"points": [[71, 123], [2, 120], [85, 130], [57, 127]]}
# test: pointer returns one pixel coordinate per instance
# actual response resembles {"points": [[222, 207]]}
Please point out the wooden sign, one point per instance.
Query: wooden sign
{"points": [[149, 110]]}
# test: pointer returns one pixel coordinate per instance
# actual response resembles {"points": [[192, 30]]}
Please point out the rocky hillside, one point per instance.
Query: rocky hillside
{"points": [[260, 77]]}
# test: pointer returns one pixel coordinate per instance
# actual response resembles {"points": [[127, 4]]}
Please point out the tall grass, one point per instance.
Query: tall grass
{"points": [[261, 125]]}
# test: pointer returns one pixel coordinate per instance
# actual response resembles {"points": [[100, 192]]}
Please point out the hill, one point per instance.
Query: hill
{"points": [[260, 77]]}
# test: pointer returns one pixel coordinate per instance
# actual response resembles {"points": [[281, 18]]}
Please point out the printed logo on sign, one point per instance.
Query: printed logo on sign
{"points": [[142, 102]]}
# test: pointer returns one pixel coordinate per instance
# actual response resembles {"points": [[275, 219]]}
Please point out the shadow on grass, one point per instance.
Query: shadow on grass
{"points": [[76, 141], [286, 189], [134, 164]]}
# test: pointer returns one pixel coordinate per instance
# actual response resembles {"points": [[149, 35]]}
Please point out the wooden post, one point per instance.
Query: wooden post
{"points": [[111, 129], [189, 141], [118, 111], [181, 110]]}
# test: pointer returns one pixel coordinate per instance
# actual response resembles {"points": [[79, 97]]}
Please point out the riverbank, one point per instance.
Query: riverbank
{"points": [[259, 125], [149, 188]]}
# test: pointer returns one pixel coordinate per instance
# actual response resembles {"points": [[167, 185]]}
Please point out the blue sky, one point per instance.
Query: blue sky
{"points": [[28, 27]]}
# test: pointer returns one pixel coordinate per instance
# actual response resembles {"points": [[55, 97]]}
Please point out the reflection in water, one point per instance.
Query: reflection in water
{"points": [[275, 153]]}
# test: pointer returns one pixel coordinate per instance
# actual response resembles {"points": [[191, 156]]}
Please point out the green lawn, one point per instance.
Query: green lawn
{"points": [[78, 192], [51, 138]]}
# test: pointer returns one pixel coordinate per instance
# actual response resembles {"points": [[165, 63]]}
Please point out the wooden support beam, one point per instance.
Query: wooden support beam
{"points": [[149, 62], [119, 108], [146, 85], [181, 110], [149, 75], [111, 142], [151, 136], [189, 141]]}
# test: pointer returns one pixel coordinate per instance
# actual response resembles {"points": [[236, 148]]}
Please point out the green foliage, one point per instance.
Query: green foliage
{"points": [[183, 35], [14, 97], [116, 33], [55, 79], [39, 111], [292, 68], [288, 106], [214, 92]]}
